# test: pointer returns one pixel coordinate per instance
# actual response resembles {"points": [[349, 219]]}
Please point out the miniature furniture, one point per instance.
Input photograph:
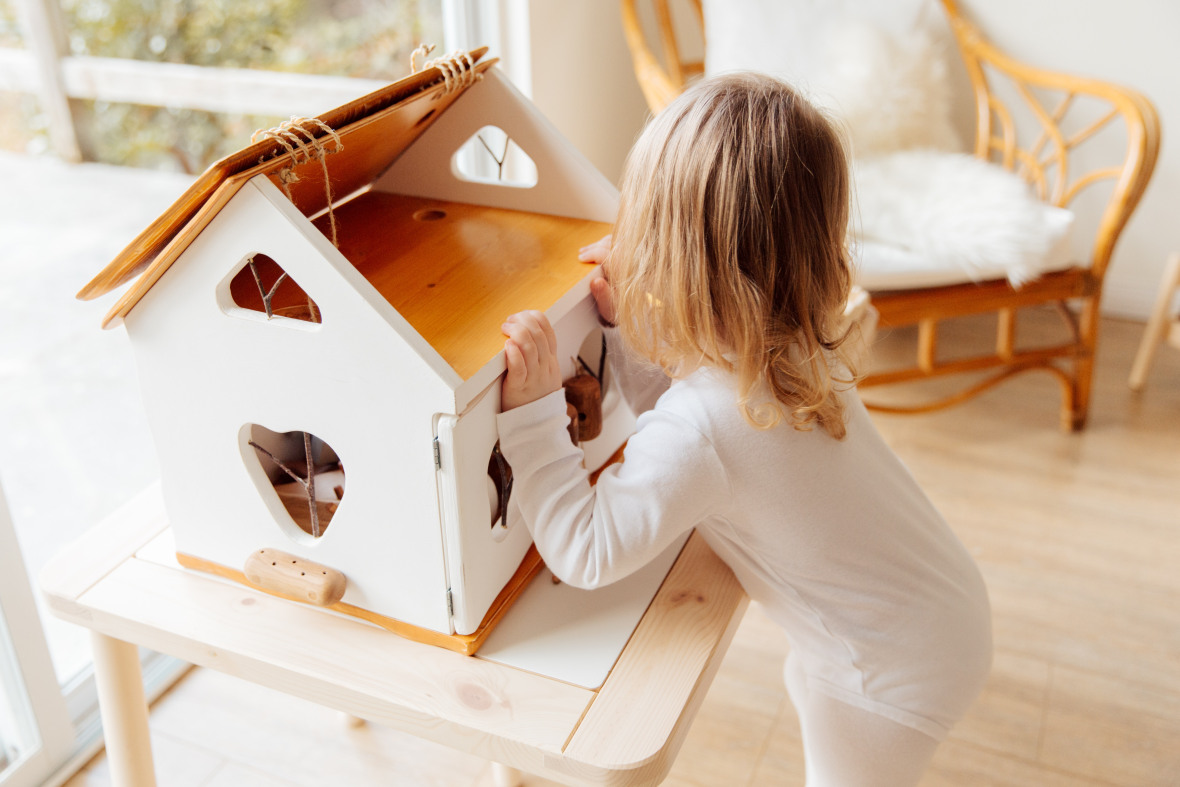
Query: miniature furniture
{"points": [[1162, 325], [1066, 111], [121, 581], [316, 325]]}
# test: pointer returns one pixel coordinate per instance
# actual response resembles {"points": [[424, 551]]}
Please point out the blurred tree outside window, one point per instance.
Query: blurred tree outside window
{"points": [[359, 38], [9, 29], [20, 118]]}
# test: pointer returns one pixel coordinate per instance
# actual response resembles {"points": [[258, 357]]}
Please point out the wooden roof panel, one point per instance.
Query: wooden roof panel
{"points": [[382, 120]]}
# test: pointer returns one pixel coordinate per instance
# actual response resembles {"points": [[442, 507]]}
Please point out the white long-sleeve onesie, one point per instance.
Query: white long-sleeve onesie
{"points": [[881, 602]]}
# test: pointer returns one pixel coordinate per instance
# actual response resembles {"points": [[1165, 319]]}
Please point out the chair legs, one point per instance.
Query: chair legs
{"points": [[1157, 325], [1071, 362], [1075, 405], [1075, 411]]}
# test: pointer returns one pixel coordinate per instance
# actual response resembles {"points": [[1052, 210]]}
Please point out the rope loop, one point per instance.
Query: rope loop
{"points": [[301, 145], [457, 69], [423, 50]]}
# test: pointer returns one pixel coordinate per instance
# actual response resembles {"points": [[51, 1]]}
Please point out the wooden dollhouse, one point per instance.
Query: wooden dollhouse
{"points": [[316, 325]]}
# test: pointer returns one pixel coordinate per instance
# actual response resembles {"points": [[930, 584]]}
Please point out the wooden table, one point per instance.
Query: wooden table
{"points": [[116, 581]]}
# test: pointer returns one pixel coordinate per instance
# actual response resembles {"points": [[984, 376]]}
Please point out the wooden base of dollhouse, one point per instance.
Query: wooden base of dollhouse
{"points": [[466, 644]]}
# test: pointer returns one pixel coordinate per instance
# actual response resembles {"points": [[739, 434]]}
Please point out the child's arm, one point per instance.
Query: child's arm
{"points": [[670, 480], [598, 253], [641, 383]]}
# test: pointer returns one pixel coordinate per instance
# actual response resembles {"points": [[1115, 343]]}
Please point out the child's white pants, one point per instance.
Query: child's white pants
{"points": [[846, 746]]}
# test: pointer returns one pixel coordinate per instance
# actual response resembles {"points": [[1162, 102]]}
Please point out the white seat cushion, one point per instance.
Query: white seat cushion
{"points": [[923, 218], [881, 267]]}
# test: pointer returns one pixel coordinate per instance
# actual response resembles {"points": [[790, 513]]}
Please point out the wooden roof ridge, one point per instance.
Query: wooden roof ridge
{"points": [[145, 256]]}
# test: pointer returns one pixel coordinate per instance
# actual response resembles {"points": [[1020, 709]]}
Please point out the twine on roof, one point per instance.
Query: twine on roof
{"points": [[302, 145], [423, 50], [457, 69]]}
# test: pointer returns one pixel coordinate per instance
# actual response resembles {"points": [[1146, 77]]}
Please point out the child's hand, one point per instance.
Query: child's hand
{"points": [[597, 252], [603, 294], [600, 287], [531, 352]]}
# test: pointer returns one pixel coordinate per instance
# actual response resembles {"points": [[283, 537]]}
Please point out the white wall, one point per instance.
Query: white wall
{"points": [[578, 73], [581, 78]]}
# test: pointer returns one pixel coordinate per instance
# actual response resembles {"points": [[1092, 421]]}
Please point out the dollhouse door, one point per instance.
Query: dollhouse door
{"points": [[484, 544]]}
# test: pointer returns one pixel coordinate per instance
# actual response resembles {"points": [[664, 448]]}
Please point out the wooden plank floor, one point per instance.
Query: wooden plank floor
{"points": [[1078, 537]]}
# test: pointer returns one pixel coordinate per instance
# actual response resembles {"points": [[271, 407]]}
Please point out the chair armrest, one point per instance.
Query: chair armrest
{"points": [[1046, 161], [659, 85], [656, 84]]}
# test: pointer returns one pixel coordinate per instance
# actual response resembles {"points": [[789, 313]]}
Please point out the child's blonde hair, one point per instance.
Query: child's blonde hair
{"points": [[729, 250]]}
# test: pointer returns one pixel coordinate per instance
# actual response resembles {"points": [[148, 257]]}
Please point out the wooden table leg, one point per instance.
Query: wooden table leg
{"points": [[503, 776], [124, 711], [1157, 324]]}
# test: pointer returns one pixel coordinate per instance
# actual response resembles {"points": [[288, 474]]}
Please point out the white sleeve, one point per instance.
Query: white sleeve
{"points": [[641, 383], [670, 480]]}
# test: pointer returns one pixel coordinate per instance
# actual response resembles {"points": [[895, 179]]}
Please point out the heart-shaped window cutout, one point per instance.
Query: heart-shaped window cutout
{"points": [[303, 471], [263, 286]]}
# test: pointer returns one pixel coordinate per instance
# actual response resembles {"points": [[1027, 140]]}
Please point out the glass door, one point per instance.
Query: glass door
{"points": [[36, 736]]}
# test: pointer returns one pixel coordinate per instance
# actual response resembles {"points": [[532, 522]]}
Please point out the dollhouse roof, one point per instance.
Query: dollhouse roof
{"points": [[456, 267], [377, 134]]}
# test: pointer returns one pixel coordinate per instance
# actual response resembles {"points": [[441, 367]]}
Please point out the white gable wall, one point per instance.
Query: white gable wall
{"points": [[205, 374], [567, 184]]}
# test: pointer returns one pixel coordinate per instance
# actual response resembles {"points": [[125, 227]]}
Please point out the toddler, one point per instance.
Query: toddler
{"points": [[726, 275]]}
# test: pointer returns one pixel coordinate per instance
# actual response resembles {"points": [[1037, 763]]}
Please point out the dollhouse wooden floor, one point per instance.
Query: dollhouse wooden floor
{"points": [[455, 271], [1076, 536]]}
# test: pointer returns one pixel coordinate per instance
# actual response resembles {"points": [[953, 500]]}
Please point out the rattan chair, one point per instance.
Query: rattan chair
{"points": [[1044, 160]]}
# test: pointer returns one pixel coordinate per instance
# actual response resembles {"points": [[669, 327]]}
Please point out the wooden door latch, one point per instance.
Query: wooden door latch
{"points": [[281, 574]]}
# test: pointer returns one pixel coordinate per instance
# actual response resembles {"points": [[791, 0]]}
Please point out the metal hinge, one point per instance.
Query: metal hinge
{"points": [[437, 456], [450, 603]]}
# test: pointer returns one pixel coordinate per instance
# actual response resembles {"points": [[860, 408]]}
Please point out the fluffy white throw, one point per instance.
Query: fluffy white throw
{"points": [[954, 210]]}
